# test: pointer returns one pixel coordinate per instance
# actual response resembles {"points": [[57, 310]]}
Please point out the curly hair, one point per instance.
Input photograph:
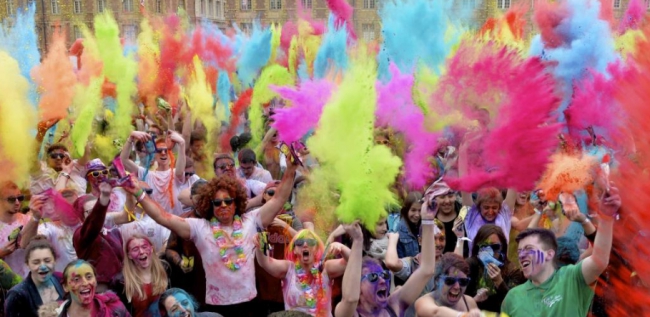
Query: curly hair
{"points": [[206, 195]]}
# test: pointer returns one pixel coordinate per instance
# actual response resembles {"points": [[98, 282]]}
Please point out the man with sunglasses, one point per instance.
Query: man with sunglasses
{"points": [[567, 291], [224, 165], [250, 169], [59, 171], [11, 223]]}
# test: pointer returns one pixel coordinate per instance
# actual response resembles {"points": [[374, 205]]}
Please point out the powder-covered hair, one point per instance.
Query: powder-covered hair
{"points": [[133, 282], [448, 261], [173, 292], [489, 194], [305, 234], [207, 192], [76, 262]]}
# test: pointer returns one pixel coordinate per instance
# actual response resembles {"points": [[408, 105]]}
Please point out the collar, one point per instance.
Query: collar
{"points": [[544, 286]]}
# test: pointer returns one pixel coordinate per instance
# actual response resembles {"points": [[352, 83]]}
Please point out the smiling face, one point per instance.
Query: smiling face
{"points": [[451, 294], [414, 213], [375, 285], [178, 305], [490, 210], [41, 265], [139, 251], [441, 240], [446, 203], [381, 228], [224, 212], [81, 284], [162, 155], [533, 258]]}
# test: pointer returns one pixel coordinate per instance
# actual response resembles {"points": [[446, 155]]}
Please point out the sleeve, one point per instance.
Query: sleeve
{"points": [[13, 304], [197, 227], [256, 187], [406, 271], [141, 171], [91, 229]]}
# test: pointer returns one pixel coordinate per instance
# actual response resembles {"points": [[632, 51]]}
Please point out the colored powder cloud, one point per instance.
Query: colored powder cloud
{"points": [[332, 54], [255, 54]]}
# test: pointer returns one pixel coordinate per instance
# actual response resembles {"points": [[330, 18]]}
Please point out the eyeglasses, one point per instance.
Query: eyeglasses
{"points": [[223, 202], [189, 174], [225, 167], [161, 150], [270, 192], [97, 173], [55, 156], [496, 247], [373, 277], [301, 242], [12, 199], [449, 281]]}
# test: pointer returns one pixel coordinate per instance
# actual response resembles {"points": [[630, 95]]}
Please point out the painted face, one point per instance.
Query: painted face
{"points": [[224, 211], [247, 168], [441, 240], [179, 305], [414, 213], [305, 248], [380, 229], [139, 251], [446, 203], [81, 284], [375, 285], [55, 159], [225, 167], [490, 210], [11, 200], [532, 256], [522, 198], [41, 264], [452, 286], [162, 155]]}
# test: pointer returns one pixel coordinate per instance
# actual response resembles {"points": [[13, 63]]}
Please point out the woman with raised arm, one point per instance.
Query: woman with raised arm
{"points": [[366, 284], [224, 235]]}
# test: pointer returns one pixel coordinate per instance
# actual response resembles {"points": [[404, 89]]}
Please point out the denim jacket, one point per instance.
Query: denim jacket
{"points": [[408, 242]]}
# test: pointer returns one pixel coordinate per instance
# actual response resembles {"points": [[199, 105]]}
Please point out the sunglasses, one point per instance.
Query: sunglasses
{"points": [[55, 156], [373, 277], [495, 247], [270, 192], [12, 199], [189, 174], [223, 202], [301, 242], [161, 150], [449, 281], [224, 167], [97, 173]]}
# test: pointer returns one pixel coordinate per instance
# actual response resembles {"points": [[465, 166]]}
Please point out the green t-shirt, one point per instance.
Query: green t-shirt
{"points": [[565, 293]]}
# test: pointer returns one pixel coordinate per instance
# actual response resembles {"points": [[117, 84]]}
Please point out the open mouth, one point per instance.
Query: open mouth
{"points": [[85, 295], [43, 273], [143, 259], [453, 295], [525, 263], [305, 255], [382, 293]]}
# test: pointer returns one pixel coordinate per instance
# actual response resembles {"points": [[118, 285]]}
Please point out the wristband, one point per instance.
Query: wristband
{"points": [[587, 220], [36, 219], [141, 198], [428, 222], [138, 193], [537, 211]]}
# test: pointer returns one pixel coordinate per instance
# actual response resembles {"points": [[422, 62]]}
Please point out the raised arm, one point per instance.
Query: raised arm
{"points": [[187, 125], [392, 260], [511, 199], [42, 128], [269, 210], [31, 228], [180, 160], [277, 268], [596, 264], [92, 226], [126, 150], [352, 278], [419, 279], [172, 222]]}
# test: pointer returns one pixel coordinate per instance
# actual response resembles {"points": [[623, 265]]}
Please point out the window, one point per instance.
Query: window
{"points": [[210, 8], [77, 6], [158, 6], [469, 3], [617, 4], [306, 4], [219, 8], [368, 4], [55, 7], [77, 32], [55, 29], [127, 5], [246, 5], [101, 4], [247, 27], [505, 4], [202, 7], [10, 7], [130, 31], [368, 31], [276, 4]]}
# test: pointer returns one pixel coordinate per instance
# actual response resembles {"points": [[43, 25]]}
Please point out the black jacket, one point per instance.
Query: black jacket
{"points": [[23, 300]]}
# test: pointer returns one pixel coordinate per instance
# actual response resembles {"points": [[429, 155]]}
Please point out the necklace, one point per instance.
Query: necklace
{"points": [[305, 284], [222, 243]]}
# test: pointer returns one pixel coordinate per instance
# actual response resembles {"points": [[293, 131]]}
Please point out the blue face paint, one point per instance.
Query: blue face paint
{"points": [[184, 306]]}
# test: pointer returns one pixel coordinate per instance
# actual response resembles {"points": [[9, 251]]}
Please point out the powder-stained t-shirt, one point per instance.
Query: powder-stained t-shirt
{"points": [[226, 287], [565, 293]]}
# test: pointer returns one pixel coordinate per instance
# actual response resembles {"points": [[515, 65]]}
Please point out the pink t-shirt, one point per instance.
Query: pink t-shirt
{"points": [[223, 286], [294, 296]]}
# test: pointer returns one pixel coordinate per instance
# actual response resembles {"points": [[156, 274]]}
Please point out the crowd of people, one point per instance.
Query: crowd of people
{"points": [[297, 170]]}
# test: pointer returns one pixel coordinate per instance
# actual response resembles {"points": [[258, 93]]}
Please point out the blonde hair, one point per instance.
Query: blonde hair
{"points": [[133, 281]]}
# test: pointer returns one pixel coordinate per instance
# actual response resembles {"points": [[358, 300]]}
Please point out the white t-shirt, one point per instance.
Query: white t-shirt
{"points": [[260, 174], [254, 187], [223, 286], [46, 178], [60, 237], [147, 227], [158, 181], [15, 260]]}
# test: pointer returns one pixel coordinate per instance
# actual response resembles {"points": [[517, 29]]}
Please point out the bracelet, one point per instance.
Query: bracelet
{"points": [[64, 174], [36, 219], [587, 220], [138, 193], [428, 222], [141, 198]]}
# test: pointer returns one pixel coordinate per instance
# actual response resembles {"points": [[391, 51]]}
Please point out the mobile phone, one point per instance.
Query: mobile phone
{"points": [[13, 236], [290, 153], [120, 182]]}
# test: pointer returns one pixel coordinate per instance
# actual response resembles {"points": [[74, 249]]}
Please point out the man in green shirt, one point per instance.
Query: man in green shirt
{"points": [[567, 291]]}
